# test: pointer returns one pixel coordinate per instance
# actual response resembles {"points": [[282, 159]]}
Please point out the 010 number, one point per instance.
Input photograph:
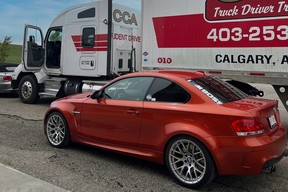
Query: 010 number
{"points": [[164, 60]]}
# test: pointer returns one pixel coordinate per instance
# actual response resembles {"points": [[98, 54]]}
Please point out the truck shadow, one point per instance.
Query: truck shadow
{"points": [[8, 95], [46, 100]]}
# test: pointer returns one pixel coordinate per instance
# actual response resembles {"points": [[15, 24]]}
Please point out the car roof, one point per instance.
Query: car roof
{"points": [[183, 74]]}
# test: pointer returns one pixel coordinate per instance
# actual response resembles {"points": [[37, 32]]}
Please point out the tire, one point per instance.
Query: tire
{"points": [[28, 90], [57, 131], [189, 162]]}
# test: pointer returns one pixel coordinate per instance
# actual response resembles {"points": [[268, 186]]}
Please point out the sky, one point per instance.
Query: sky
{"points": [[14, 14]]}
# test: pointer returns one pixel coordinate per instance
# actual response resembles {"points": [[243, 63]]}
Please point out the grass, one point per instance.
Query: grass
{"points": [[14, 54]]}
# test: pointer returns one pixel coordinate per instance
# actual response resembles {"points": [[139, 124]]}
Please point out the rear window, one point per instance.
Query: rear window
{"points": [[7, 68], [217, 90]]}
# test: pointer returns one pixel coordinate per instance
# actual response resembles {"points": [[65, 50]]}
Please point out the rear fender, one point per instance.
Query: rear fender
{"points": [[177, 129]]}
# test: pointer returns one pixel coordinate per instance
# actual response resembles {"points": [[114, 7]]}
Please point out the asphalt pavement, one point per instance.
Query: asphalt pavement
{"points": [[12, 180]]}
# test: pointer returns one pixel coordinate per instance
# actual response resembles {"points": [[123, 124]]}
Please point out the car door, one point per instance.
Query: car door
{"points": [[115, 117]]}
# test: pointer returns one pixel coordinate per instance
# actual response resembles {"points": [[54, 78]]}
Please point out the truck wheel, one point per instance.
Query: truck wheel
{"points": [[28, 89], [189, 162]]}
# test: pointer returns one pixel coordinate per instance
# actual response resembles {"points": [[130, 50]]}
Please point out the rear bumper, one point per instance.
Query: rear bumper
{"points": [[5, 87], [274, 161], [249, 155]]}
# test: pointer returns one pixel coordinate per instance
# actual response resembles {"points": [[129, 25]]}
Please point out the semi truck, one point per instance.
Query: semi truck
{"points": [[84, 47], [239, 40]]}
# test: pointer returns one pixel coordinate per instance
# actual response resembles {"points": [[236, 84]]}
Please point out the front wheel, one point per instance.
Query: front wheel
{"points": [[189, 162], [57, 130], [28, 89]]}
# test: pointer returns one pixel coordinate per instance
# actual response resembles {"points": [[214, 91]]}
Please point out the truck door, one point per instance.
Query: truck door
{"points": [[53, 44], [33, 51]]}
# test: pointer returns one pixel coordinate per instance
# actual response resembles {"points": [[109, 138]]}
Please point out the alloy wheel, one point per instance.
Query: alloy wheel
{"points": [[55, 129], [187, 161]]}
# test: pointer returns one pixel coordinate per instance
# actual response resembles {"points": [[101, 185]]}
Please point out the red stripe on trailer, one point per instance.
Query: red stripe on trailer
{"points": [[258, 74]]}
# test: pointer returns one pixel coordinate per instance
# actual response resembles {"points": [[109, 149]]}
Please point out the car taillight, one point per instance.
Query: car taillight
{"points": [[7, 78], [247, 127]]}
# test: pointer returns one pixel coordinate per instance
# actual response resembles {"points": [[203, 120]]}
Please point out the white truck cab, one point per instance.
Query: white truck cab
{"points": [[85, 44]]}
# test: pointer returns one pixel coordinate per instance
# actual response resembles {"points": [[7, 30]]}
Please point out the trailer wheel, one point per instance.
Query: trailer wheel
{"points": [[28, 89]]}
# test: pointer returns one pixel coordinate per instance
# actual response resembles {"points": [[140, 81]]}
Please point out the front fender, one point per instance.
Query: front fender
{"points": [[66, 110]]}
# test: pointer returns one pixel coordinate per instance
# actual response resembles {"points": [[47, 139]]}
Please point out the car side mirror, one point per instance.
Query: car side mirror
{"points": [[96, 95]]}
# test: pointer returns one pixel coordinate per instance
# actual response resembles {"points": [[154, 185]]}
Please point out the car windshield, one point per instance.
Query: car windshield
{"points": [[217, 90]]}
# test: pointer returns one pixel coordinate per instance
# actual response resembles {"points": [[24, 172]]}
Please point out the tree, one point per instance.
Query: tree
{"points": [[4, 48]]}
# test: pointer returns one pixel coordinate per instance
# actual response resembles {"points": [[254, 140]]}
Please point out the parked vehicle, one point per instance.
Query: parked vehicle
{"points": [[196, 124], [84, 46], [239, 40], [6, 73]]}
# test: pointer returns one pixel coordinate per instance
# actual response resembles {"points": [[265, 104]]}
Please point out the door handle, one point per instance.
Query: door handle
{"points": [[133, 112]]}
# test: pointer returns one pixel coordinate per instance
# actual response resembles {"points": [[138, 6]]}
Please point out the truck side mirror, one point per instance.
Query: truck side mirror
{"points": [[32, 39]]}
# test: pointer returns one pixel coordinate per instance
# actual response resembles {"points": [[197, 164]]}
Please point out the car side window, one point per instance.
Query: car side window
{"points": [[133, 89], [163, 90]]}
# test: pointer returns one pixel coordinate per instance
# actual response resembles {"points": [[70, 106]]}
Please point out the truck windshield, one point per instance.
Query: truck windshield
{"points": [[217, 90]]}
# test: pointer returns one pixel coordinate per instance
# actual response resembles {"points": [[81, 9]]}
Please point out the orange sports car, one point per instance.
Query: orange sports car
{"points": [[196, 124]]}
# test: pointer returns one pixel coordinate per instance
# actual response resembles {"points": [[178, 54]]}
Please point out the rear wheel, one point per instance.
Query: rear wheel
{"points": [[28, 89], [57, 130], [189, 162]]}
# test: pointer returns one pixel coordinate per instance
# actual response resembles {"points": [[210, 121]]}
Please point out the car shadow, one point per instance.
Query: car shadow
{"points": [[46, 100], [220, 183]]}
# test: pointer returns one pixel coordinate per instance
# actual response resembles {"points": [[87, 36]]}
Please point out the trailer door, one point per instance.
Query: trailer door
{"points": [[33, 49]]}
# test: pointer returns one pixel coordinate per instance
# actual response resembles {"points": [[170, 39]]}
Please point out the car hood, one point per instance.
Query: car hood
{"points": [[77, 97]]}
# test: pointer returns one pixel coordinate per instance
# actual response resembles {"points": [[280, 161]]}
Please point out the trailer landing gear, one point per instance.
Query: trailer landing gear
{"points": [[282, 91]]}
